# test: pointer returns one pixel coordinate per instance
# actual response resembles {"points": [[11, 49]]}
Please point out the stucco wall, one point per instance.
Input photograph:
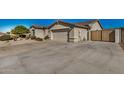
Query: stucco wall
{"points": [[31, 31], [117, 35], [71, 35], [80, 34], [39, 33], [46, 32], [58, 26], [95, 26], [77, 34]]}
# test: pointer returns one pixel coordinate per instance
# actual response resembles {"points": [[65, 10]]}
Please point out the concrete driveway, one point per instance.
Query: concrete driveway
{"points": [[58, 58]]}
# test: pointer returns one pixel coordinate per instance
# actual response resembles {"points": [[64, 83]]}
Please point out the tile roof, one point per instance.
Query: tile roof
{"points": [[67, 24], [86, 23], [78, 24], [38, 27]]}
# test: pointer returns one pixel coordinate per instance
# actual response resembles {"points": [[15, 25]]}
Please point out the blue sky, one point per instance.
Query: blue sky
{"points": [[8, 24]]}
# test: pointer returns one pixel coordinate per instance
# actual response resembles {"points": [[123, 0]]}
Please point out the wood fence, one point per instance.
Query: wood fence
{"points": [[103, 35]]}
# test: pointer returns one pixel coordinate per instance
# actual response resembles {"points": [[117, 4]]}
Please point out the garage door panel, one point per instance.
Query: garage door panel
{"points": [[60, 36]]}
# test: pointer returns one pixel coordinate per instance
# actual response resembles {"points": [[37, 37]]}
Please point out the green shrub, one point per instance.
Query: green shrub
{"points": [[39, 39], [5, 38], [28, 37]]}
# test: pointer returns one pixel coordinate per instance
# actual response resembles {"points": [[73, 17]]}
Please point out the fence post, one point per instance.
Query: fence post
{"points": [[89, 35]]}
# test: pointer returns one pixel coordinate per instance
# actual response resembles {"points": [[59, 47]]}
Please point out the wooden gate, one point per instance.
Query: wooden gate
{"points": [[96, 35], [108, 36], [103, 35]]}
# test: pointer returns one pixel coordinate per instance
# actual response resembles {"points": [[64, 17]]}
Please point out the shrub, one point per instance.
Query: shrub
{"points": [[5, 38], [22, 36], [39, 39], [46, 37], [33, 37], [28, 36], [14, 38]]}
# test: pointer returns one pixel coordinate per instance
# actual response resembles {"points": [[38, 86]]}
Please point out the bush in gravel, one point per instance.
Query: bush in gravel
{"points": [[28, 36], [46, 37], [33, 37], [5, 38], [39, 39]]}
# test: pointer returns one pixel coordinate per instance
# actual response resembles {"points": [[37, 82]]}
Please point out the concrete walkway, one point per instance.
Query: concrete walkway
{"points": [[57, 57]]}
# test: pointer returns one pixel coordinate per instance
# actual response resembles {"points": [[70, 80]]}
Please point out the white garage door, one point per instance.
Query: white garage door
{"points": [[60, 36]]}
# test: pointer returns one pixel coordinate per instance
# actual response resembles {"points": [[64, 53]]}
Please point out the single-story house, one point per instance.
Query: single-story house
{"points": [[1, 34], [39, 31], [94, 25], [65, 31]]}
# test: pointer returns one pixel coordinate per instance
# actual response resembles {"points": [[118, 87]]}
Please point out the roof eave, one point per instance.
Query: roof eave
{"points": [[43, 27]]}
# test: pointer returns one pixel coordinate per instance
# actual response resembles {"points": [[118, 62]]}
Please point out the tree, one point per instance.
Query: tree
{"points": [[20, 30], [8, 32]]}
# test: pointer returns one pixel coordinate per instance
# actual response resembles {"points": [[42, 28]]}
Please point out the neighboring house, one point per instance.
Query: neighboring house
{"points": [[65, 31], [1, 33], [93, 25], [38, 31]]}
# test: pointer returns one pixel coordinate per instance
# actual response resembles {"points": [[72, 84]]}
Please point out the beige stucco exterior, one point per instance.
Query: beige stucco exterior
{"points": [[81, 34], [71, 34], [75, 34], [118, 35], [58, 26], [95, 26], [39, 33]]}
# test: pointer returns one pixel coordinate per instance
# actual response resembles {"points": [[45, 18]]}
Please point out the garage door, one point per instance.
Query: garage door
{"points": [[60, 36]]}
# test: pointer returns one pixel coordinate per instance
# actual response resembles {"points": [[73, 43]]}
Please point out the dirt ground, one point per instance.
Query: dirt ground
{"points": [[18, 42], [50, 57]]}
